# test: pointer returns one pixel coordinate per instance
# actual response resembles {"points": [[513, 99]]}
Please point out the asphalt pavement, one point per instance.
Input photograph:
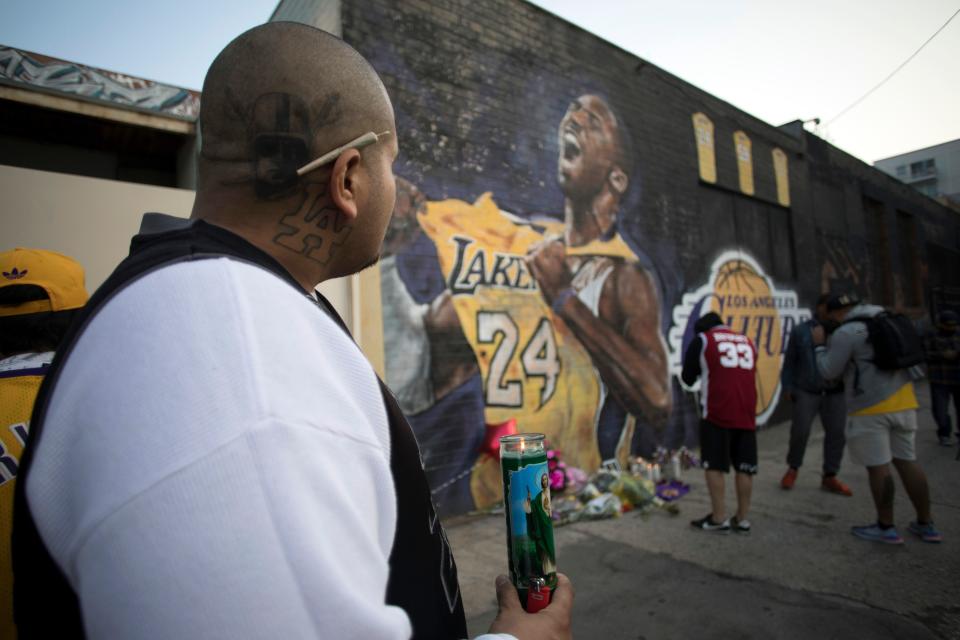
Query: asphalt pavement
{"points": [[799, 573]]}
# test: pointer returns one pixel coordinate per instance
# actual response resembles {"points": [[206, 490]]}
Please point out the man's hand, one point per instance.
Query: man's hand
{"points": [[819, 335], [547, 262], [546, 624]]}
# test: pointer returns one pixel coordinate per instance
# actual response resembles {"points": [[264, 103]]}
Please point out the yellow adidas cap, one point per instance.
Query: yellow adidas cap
{"points": [[61, 277]]}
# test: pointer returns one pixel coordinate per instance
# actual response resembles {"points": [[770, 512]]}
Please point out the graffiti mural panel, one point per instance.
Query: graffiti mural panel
{"points": [[556, 315], [556, 320], [550, 225], [69, 77]]}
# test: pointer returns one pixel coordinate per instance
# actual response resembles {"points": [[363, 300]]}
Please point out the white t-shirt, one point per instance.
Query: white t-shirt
{"points": [[215, 463]]}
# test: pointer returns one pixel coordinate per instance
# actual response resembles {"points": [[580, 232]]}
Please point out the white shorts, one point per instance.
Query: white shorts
{"points": [[876, 440]]}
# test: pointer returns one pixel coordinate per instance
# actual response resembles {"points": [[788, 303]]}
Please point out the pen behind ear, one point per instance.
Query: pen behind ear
{"points": [[357, 143], [279, 159]]}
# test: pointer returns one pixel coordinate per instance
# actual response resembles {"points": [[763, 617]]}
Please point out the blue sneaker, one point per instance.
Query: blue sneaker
{"points": [[875, 533], [926, 532]]}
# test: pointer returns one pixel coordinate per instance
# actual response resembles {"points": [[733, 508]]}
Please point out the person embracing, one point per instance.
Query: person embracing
{"points": [[882, 416]]}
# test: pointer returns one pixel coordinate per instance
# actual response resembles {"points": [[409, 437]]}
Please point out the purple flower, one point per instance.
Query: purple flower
{"points": [[558, 480]]}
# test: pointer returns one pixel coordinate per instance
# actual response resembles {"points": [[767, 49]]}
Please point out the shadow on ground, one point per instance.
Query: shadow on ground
{"points": [[676, 599]]}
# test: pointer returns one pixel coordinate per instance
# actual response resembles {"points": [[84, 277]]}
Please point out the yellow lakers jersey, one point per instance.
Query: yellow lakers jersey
{"points": [[18, 390], [532, 366]]}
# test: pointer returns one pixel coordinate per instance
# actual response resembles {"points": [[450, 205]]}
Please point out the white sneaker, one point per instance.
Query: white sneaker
{"points": [[740, 526], [706, 523]]}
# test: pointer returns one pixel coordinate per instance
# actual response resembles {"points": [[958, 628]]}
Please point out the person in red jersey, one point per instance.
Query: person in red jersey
{"points": [[725, 361]]}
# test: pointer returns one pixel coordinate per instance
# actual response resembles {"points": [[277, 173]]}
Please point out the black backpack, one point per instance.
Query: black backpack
{"points": [[896, 343]]}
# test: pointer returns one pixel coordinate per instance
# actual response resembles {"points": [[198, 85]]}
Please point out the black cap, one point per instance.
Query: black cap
{"points": [[842, 301], [707, 322]]}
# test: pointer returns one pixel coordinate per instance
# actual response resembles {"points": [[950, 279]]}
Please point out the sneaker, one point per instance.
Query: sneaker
{"points": [[834, 485], [707, 524], [740, 526], [876, 533], [789, 478], [926, 532]]}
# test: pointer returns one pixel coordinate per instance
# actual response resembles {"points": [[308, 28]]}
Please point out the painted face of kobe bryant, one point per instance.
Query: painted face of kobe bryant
{"points": [[589, 147]]}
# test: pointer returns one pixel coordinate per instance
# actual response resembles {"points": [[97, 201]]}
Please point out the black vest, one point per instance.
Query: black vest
{"points": [[423, 576]]}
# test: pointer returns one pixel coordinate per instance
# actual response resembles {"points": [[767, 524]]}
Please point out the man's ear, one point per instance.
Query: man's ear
{"points": [[618, 180], [344, 183]]}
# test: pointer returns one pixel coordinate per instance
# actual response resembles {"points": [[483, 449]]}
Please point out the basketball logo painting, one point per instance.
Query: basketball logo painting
{"points": [[750, 303]]}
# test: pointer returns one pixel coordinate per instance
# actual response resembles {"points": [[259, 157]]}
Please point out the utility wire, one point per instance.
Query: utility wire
{"points": [[892, 73]]}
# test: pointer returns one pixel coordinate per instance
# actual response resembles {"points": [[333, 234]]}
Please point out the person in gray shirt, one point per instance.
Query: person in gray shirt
{"points": [[812, 395], [882, 417]]}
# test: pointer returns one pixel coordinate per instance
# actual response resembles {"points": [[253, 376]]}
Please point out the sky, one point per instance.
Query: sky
{"points": [[777, 60]]}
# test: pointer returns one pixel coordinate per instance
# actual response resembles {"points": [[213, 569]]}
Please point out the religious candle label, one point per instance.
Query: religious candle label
{"points": [[528, 508]]}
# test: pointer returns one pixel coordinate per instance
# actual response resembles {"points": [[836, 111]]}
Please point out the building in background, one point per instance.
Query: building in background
{"points": [[933, 171], [68, 118], [84, 152]]}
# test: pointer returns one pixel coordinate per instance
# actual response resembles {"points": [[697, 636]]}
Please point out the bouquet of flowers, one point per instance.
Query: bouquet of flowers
{"points": [[557, 469], [562, 477]]}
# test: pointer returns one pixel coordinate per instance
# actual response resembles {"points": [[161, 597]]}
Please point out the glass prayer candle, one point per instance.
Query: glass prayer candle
{"points": [[528, 507]]}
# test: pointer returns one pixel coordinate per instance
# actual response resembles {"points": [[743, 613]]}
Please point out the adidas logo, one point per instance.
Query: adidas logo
{"points": [[15, 274]]}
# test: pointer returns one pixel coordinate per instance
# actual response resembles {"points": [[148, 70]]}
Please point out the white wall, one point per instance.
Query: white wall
{"points": [[89, 219], [92, 220]]}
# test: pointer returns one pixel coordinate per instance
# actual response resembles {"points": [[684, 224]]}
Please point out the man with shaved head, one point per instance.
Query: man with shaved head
{"points": [[211, 454]]}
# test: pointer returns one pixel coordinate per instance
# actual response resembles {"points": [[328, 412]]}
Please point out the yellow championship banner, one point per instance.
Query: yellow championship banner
{"points": [[706, 154], [782, 176], [742, 145]]}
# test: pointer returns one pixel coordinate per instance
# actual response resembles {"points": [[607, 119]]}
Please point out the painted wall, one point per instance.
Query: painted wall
{"points": [[518, 129], [20, 67]]}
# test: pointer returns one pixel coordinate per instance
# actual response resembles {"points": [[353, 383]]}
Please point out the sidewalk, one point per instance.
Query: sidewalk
{"points": [[800, 574]]}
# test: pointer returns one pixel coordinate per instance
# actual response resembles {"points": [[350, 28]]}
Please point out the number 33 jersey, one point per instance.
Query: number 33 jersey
{"points": [[728, 389], [533, 368]]}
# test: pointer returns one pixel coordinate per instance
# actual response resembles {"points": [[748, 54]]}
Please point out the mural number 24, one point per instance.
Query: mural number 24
{"points": [[539, 358]]}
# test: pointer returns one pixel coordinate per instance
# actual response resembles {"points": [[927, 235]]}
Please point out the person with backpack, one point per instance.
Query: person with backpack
{"points": [[877, 353]]}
